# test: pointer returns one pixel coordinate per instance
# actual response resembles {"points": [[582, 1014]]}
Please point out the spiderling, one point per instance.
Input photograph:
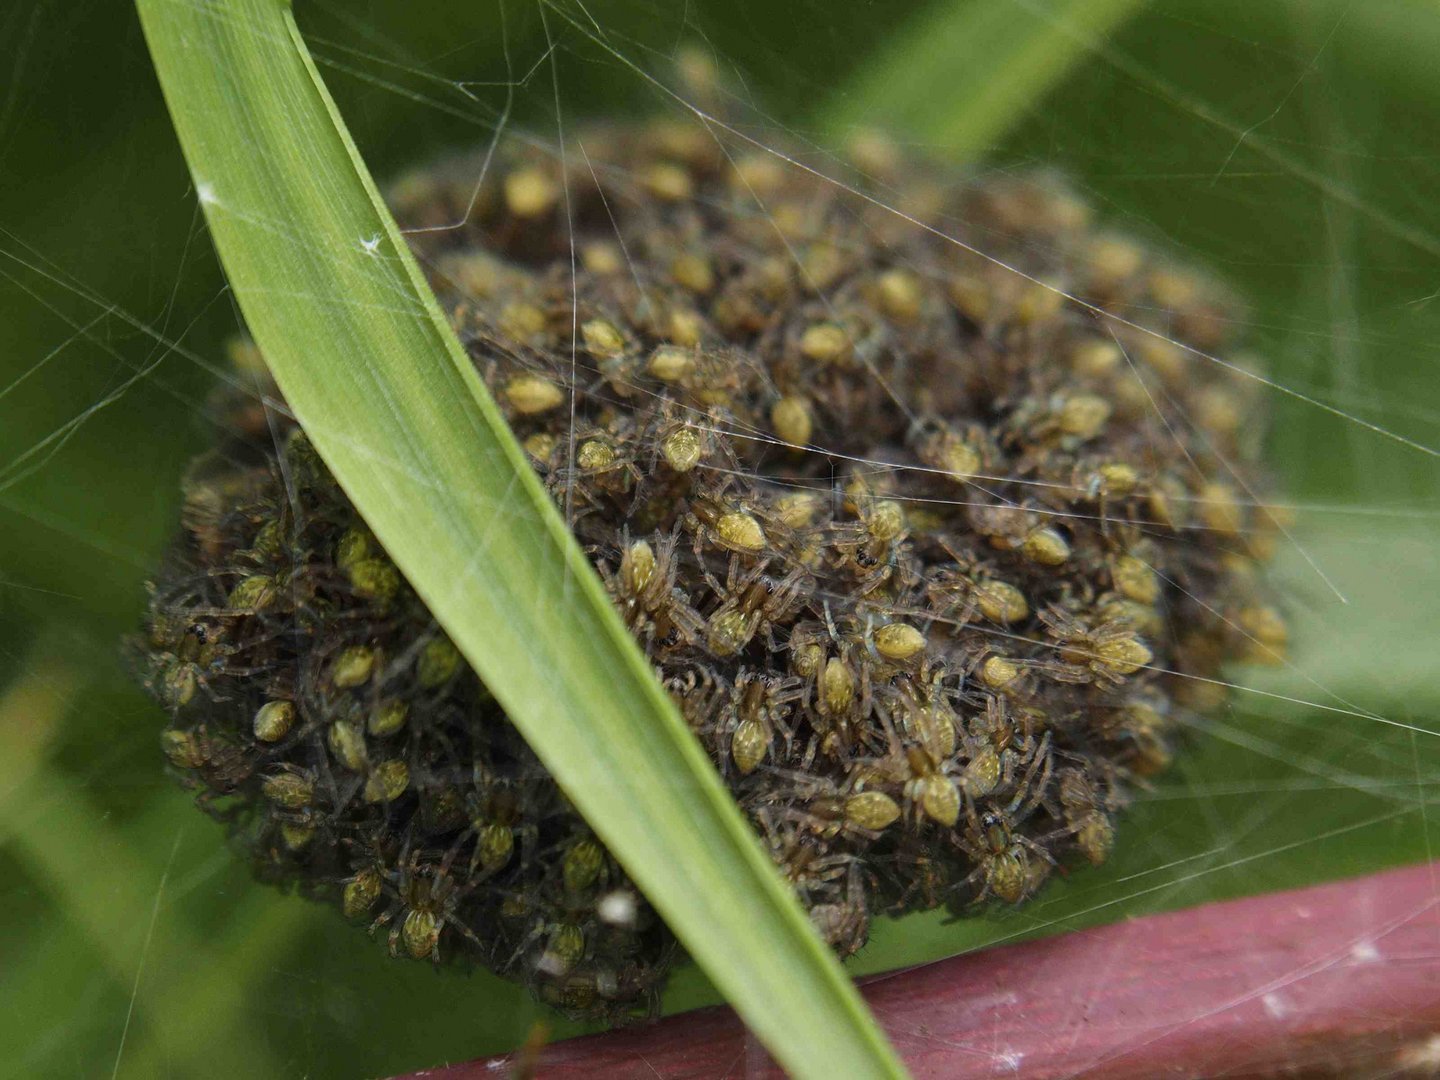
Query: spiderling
{"points": [[935, 562]]}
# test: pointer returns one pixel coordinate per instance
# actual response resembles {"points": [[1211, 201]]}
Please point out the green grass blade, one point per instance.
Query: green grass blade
{"points": [[367, 362], [961, 75]]}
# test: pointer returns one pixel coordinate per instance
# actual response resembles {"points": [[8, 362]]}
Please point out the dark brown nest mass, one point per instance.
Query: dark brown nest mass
{"points": [[935, 560]]}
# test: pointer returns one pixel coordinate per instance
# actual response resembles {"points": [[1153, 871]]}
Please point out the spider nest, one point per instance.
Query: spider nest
{"points": [[933, 560]]}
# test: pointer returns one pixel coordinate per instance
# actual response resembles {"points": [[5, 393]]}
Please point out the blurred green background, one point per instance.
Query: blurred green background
{"points": [[1288, 146]]}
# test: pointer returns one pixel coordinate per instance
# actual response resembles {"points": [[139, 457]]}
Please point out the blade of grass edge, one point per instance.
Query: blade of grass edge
{"points": [[960, 76], [370, 368]]}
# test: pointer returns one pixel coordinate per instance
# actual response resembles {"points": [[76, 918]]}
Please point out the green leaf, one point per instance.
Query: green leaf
{"points": [[962, 75], [372, 371]]}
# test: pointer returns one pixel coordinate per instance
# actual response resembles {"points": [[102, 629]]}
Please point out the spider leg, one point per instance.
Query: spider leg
{"points": [[394, 940], [982, 872], [465, 932], [529, 939], [382, 919], [1036, 847], [1030, 794]]}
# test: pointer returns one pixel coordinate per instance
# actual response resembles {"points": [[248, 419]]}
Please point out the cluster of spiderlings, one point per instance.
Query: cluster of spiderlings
{"points": [[935, 561]]}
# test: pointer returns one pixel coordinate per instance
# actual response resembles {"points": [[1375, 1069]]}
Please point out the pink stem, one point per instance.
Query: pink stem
{"points": [[1337, 979]]}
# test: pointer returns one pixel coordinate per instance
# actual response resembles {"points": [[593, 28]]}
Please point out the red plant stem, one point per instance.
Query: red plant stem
{"points": [[1338, 979]]}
